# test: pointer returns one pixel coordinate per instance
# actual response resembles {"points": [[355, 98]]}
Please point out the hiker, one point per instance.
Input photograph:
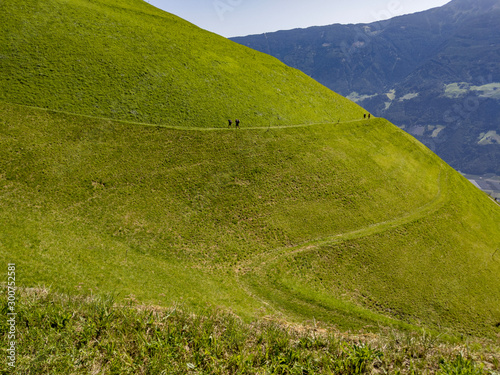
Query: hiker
{"points": [[230, 123], [237, 122], [369, 115], [364, 115]]}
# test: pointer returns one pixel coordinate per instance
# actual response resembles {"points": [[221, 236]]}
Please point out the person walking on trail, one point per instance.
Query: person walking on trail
{"points": [[369, 115], [237, 122], [229, 123]]}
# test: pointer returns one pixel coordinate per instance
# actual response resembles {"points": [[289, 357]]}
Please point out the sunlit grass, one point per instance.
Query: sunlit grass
{"points": [[82, 335]]}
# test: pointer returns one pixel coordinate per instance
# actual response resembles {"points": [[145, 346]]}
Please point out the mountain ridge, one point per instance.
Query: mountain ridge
{"points": [[404, 68]]}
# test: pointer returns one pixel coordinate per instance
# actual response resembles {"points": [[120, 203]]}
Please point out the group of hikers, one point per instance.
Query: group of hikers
{"points": [[236, 123]]}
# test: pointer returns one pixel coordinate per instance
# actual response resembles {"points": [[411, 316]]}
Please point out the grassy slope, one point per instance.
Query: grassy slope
{"points": [[129, 60], [169, 214], [141, 215]]}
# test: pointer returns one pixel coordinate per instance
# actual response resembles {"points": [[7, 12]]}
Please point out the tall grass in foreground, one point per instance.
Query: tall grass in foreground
{"points": [[60, 334]]}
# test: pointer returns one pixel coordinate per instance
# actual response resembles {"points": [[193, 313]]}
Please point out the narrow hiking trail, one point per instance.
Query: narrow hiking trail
{"points": [[255, 270], [191, 128]]}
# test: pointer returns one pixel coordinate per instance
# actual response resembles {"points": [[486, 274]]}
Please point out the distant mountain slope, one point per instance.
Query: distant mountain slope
{"points": [[435, 73], [129, 60], [313, 212]]}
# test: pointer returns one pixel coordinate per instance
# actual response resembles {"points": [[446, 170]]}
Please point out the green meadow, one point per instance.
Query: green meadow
{"points": [[119, 176]]}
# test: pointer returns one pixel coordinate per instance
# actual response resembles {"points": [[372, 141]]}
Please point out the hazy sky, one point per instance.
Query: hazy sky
{"points": [[243, 17]]}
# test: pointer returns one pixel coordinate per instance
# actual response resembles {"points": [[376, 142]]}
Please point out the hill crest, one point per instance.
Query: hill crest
{"points": [[131, 63]]}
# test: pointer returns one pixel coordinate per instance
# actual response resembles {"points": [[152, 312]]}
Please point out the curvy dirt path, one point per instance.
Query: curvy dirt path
{"points": [[258, 265]]}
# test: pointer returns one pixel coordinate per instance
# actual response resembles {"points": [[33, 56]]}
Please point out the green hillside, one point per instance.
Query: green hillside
{"points": [[118, 174], [128, 60]]}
